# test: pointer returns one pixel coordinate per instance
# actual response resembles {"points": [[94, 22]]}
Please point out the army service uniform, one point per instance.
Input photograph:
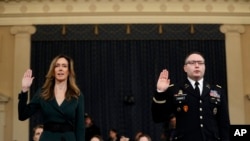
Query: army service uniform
{"points": [[198, 117]]}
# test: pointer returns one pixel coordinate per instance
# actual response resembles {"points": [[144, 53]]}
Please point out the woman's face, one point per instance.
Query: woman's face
{"points": [[61, 70]]}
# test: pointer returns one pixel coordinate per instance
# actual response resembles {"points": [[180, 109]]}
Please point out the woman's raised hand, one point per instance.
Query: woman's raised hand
{"points": [[27, 80]]}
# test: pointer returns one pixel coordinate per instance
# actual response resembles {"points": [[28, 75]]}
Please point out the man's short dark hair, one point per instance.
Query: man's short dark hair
{"points": [[194, 52]]}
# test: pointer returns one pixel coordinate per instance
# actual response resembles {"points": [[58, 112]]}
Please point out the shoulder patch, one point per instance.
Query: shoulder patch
{"points": [[218, 86]]}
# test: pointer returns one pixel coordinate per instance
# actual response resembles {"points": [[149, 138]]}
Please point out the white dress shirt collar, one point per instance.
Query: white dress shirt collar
{"points": [[193, 83]]}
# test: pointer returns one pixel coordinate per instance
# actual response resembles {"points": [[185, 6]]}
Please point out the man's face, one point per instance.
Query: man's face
{"points": [[112, 134], [37, 134], [88, 122], [195, 66]]}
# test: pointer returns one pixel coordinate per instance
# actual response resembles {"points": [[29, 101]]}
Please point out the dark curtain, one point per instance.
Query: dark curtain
{"points": [[118, 77]]}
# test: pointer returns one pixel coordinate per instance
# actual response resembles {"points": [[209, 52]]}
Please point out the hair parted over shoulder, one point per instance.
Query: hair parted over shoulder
{"points": [[194, 52], [48, 87]]}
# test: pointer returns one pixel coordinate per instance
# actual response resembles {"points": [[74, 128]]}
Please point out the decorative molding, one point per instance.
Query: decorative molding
{"points": [[22, 29], [25, 12], [232, 28], [3, 98]]}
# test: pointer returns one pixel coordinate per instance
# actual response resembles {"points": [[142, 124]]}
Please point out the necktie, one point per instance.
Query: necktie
{"points": [[197, 90]]}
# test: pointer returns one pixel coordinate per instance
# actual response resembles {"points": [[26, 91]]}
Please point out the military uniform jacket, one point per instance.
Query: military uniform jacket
{"points": [[198, 117], [68, 112]]}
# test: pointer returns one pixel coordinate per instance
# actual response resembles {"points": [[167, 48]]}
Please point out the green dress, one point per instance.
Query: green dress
{"points": [[71, 112]]}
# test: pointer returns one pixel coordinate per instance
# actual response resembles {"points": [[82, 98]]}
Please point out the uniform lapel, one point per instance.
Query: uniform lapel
{"points": [[206, 89], [189, 88]]}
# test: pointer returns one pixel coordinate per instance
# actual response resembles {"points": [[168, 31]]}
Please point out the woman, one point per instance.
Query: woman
{"points": [[59, 100]]}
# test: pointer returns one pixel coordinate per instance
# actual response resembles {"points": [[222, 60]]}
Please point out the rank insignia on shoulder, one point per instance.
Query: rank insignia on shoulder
{"points": [[186, 86], [218, 86]]}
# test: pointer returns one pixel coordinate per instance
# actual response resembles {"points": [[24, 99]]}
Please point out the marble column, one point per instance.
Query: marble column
{"points": [[21, 64], [234, 72], [3, 100]]}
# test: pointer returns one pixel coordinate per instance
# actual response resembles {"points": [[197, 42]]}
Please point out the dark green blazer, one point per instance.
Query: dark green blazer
{"points": [[71, 112]]}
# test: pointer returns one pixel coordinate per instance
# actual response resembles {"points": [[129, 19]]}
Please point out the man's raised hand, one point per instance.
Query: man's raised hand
{"points": [[163, 81]]}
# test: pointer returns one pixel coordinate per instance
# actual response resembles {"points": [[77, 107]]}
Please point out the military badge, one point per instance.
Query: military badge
{"points": [[215, 111], [179, 98], [185, 108], [178, 109], [180, 92], [214, 93]]}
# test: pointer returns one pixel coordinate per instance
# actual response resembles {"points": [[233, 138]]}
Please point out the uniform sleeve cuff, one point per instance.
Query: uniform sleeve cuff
{"points": [[159, 97]]}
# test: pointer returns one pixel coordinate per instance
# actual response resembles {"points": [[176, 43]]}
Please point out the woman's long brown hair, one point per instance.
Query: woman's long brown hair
{"points": [[48, 87]]}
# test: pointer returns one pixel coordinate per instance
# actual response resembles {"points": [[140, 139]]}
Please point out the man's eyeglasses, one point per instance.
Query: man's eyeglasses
{"points": [[194, 62]]}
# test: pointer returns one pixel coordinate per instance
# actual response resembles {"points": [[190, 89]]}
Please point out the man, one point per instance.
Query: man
{"points": [[201, 113], [91, 128], [37, 131], [169, 129]]}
